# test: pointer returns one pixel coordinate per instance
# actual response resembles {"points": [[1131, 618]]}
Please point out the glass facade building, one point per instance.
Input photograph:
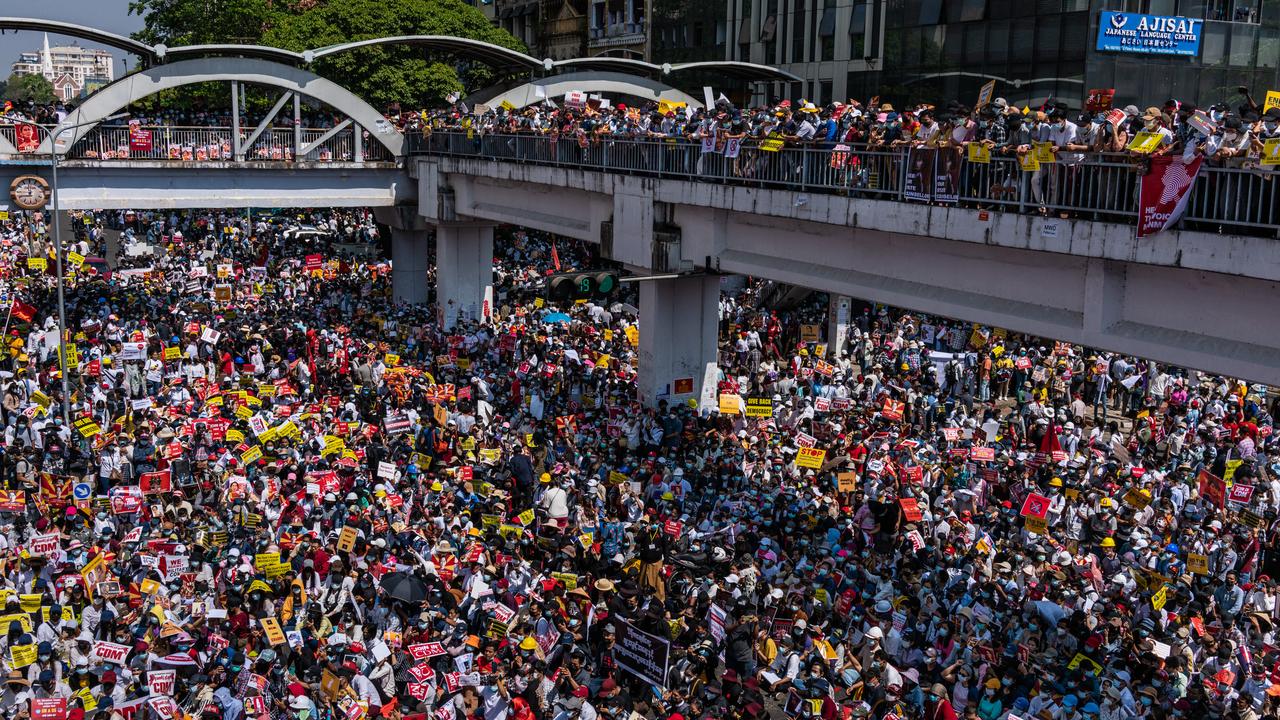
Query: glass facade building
{"points": [[908, 51]]}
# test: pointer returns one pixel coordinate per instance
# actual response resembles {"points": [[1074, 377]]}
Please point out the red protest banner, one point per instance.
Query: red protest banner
{"points": [[1035, 505], [1213, 488]]}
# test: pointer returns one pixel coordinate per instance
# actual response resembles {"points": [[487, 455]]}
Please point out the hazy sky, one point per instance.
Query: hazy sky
{"points": [[111, 15]]}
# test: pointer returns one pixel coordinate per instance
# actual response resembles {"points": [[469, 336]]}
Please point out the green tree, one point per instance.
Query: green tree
{"points": [[21, 88], [199, 22], [385, 74], [381, 74]]}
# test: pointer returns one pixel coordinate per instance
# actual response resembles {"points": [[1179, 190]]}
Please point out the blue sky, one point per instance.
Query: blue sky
{"points": [[112, 15]]}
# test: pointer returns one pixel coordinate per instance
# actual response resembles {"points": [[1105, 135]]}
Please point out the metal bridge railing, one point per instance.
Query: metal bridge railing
{"points": [[1098, 186], [202, 144]]}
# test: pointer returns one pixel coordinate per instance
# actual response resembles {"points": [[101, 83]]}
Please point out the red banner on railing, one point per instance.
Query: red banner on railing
{"points": [[140, 141], [1164, 192]]}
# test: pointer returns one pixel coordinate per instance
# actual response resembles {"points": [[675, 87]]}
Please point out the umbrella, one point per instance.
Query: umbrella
{"points": [[624, 307], [556, 317], [404, 587]]}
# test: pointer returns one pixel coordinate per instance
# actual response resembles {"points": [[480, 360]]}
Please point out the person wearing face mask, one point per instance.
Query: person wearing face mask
{"points": [[937, 706]]}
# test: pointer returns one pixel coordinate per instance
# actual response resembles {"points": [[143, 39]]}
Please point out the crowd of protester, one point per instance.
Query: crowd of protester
{"points": [[281, 495]]}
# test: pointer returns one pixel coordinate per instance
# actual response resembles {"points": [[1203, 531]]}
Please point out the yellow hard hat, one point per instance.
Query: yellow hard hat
{"points": [[436, 486], [1108, 542], [546, 477], [1056, 482], [528, 643], [804, 352], [1105, 502]]}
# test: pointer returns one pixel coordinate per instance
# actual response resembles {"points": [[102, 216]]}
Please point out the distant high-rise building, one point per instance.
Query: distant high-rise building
{"points": [[74, 71]]}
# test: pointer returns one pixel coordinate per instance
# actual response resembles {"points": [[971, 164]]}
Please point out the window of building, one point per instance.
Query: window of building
{"points": [[824, 92], [1213, 43], [1048, 35], [858, 24], [798, 28], [930, 12], [1243, 38], [973, 10], [1269, 47], [769, 29]]}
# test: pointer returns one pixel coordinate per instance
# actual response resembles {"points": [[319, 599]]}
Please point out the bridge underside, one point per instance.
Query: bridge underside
{"points": [[1193, 300], [160, 185]]}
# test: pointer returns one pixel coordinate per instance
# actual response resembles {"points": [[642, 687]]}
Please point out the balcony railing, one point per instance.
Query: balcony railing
{"points": [[206, 144], [1102, 187]]}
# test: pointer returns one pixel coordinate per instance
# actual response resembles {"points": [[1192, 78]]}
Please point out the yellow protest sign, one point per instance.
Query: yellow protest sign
{"points": [[569, 579], [271, 627], [75, 259], [1081, 659], [173, 352], [633, 335], [773, 143], [525, 517], [1198, 564], [1144, 142], [21, 656], [391, 360], [1160, 597], [251, 455], [149, 586], [1044, 153], [1271, 151], [1037, 525], [730, 404], [37, 263], [1272, 100], [810, 457], [979, 153], [266, 559], [347, 539], [29, 603], [1028, 162]]}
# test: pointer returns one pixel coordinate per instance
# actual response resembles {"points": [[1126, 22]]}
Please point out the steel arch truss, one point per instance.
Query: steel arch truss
{"points": [[118, 95]]}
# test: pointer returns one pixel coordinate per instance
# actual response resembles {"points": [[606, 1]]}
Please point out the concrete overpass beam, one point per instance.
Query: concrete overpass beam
{"points": [[679, 322], [464, 273]]}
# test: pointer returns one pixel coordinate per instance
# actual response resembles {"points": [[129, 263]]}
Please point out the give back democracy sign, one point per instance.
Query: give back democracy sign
{"points": [[643, 655]]}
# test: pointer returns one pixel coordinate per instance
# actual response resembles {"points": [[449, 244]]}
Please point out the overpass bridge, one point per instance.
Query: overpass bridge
{"points": [[1195, 297], [844, 220]]}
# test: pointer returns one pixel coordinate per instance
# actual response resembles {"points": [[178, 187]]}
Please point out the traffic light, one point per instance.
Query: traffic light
{"points": [[582, 286]]}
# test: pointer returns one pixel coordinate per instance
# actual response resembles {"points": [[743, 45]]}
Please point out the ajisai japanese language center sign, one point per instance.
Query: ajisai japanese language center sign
{"points": [[1149, 34]]}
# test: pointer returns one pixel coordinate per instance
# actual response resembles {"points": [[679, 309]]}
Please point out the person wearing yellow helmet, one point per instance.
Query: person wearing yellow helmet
{"points": [[1056, 482], [1108, 542]]}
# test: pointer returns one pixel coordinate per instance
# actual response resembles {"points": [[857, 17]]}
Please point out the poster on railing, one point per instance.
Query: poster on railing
{"points": [[28, 137], [140, 141], [732, 146], [1163, 193], [919, 180], [946, 174]]}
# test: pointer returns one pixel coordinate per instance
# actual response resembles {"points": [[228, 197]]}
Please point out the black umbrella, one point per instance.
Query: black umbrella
{"points": [[404, 587]]}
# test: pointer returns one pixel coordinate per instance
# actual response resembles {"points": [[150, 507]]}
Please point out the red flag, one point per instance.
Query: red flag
{"points": [[1164, 191], [23, 311], [555, 256]]}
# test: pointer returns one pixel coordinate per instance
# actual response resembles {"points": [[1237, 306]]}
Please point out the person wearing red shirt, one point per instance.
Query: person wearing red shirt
{"points": [[937, 705]]}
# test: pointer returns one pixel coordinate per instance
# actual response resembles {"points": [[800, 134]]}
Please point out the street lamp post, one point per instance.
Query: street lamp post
{"points": [[57, 244]]}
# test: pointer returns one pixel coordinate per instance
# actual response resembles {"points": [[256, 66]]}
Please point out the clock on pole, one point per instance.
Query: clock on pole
{"points": [[29, 192]]}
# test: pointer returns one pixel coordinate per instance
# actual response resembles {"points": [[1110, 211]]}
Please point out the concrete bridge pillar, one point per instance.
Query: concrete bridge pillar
{"points": [[679, 322], [410, 251], [464, 272]]}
